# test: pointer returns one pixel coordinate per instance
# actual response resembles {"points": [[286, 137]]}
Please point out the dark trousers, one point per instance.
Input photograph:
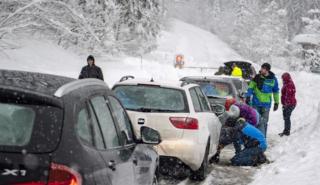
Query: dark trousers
{"points": [[287, 111], [247, 157], [264, 118]]}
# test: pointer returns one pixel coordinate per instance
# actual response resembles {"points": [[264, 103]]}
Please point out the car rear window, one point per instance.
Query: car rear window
{"points": [[217, 89], [237, 83], [34, 128], [151, 98]]}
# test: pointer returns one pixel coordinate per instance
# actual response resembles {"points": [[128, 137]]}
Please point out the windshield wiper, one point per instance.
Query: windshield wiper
{"points": [[141, 109]]}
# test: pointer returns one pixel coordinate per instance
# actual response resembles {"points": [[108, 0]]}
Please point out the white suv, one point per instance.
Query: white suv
{"points": [[181, 113]]}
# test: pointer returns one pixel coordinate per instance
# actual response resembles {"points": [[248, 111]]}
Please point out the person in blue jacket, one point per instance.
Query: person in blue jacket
{"points": [[255, 144]]}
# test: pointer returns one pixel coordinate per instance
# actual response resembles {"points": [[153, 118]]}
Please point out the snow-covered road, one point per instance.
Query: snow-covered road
{"points": [[220, 174]]}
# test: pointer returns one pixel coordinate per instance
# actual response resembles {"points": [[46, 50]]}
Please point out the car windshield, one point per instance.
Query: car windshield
{"points": [[151, 98], [31, 127], [217, 89]]}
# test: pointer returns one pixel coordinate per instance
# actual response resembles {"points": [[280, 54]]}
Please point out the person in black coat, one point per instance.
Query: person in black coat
{"points": [[91, 70]]}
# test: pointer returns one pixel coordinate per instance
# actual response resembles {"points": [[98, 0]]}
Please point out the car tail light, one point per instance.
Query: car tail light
{"points": [[184, 123], [59, 175]]}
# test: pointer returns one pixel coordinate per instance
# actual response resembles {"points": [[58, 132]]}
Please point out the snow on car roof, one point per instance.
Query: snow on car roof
{"points": [[216, 77], [36, 82], [170, 84]]}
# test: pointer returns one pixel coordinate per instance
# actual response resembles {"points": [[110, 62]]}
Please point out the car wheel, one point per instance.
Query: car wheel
{"points": [[202, 172], [155, 180]]}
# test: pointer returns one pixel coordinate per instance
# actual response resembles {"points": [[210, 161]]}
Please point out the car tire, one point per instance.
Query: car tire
{"points": [[202, 172], [155, 180]]}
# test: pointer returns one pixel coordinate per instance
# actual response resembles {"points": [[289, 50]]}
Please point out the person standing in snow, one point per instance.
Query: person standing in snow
{"points": [[91, 70], [236, 71], [255, 144], [261, 89], [288, 101]]}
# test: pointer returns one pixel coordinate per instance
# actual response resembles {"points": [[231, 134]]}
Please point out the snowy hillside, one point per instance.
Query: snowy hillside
{"points": [[295, 158], [200, 47]]}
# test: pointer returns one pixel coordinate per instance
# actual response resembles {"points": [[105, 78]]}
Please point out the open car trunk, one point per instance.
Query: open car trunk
{"points": [[248, 70]]}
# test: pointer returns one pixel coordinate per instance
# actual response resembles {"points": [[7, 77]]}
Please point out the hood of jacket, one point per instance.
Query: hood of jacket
{"points": [[286, 78]]}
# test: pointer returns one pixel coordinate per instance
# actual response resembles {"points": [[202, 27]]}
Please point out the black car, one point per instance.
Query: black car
{"points": [[61, 131], [248, 70]]}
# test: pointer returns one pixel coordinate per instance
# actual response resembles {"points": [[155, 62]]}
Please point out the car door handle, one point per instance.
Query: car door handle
{"points": [[135, 161], [112, 165], [141, 121]]}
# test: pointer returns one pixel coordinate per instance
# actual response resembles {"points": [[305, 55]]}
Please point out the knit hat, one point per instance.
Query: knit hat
{"points": [[229, 102], [266, 66], [90, 57]]}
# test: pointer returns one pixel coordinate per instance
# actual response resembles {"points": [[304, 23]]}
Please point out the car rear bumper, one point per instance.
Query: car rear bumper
{"points": [[189, 152]]}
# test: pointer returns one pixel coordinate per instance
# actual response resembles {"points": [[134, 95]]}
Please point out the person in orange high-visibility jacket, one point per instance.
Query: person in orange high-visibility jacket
{"points": [[236, 71]]}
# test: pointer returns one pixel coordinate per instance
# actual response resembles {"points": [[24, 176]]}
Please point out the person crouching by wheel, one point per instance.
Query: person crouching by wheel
{"points": [[255, 144]]}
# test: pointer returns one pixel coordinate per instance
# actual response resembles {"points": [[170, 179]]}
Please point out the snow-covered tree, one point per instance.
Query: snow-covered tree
{"points": [[88, 25]]}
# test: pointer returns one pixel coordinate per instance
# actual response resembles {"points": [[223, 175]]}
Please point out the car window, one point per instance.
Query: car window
{"points": [[203, 100], [238, 84], [146, 98], [106, 122], [217, 89], [195, 100], [123, 120], [88, 130], [83, 127], [16, 124]]}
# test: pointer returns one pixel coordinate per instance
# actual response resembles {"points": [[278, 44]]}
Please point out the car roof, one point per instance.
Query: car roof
{"points": [[52, 87], [225, 79], [167, 84], [29, 81]]}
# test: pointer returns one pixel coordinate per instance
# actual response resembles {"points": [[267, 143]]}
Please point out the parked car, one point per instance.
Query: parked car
{"points": [[181, 113], [248, 70], [217, 90], [240, 84], [58, 130], [315, 69]]}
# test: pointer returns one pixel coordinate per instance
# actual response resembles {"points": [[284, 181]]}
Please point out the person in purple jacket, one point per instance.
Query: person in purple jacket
{"points": [[250, 114]]}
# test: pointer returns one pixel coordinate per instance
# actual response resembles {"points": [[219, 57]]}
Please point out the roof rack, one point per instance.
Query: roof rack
{"points": [[184, 83], [67, 88], [124, 78]]}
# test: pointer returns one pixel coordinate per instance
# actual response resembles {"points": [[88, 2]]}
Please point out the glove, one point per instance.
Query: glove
{"points": [[215, 158], [275, 107], [256, 143]]}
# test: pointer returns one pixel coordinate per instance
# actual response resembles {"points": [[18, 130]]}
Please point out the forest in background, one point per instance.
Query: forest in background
{"points": [[261, 31], [98, 26]]}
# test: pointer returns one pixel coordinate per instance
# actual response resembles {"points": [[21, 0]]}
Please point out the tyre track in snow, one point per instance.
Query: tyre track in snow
{"points": [[223, 173], [220, 174]]}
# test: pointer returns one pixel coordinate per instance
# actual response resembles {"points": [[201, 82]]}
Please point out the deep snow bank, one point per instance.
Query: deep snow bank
{"points": [[296, 158], [199, 47]]}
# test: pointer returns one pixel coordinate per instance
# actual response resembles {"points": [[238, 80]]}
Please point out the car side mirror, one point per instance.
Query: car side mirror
{"points": [[150, 136], [218, 109]]}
